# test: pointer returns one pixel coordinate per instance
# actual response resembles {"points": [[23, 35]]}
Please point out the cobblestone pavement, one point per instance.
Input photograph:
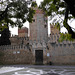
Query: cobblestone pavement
{"points": [[37, 70]]}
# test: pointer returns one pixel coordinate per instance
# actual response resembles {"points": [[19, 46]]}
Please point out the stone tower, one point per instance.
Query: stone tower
{"points": [[39, 36], [54, 30], [39, 28]]}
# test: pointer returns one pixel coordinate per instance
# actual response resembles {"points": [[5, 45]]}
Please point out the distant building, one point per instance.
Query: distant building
{"points": [[23, 32], [21, 38]]}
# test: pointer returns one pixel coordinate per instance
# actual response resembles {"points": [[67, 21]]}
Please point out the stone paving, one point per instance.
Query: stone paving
{"points": [[37, 70]]}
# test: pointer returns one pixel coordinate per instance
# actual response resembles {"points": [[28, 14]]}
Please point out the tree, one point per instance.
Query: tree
{"points": [[14, 13], [18, 10], [70, 6], [4, 40], [60, 8]]}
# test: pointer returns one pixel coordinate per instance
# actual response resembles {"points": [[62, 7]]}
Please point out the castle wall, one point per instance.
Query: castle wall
{"points": [[19, 40], [62, 53], [16, 55], [21, 54]]}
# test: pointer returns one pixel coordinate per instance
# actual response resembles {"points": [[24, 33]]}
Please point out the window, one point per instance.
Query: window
{"points": [[64, 45], [18, 52], [45, 26]]}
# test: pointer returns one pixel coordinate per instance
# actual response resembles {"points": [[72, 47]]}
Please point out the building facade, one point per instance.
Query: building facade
{"points": [[38, 48]]}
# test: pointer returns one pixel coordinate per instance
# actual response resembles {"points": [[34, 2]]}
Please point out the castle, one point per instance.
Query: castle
{"points": [[38, 48]]}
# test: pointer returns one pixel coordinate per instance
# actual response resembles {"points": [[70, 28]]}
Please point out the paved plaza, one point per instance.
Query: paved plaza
{"points": [[37, 70]]}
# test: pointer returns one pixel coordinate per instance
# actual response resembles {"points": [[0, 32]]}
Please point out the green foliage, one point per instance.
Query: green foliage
{"points": [[65, 37], [50, 6], [57, 25], [15, 9], [30, 16], [34, 4], [55, 8], [52, 9], [13, 13], [3, 25]]}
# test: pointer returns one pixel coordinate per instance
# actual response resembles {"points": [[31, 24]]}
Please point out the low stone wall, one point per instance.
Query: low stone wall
{"points": [[62, 53], [63, 60], [16, 56], [59, 53]]}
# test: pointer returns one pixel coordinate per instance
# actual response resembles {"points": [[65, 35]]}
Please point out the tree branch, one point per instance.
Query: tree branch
{"points": [[66, 25], [71, 5], [4, 13]]}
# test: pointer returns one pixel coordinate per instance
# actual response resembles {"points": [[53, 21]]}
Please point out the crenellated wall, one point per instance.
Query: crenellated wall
{"points": [[19, 40], [16, 54], [54, 38], [62, 53], [12, 47]]}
